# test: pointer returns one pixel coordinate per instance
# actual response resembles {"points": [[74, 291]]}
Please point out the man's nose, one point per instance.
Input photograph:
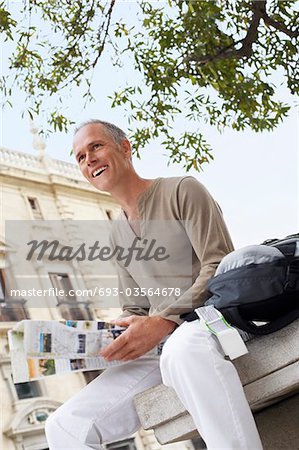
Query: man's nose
{"points": [[90, 158]]}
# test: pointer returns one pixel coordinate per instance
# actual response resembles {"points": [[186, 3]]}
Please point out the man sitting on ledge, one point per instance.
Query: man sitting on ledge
{"points": [[191, 361]]}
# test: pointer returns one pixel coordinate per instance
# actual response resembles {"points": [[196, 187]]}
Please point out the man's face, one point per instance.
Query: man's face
{"points": [[103, 162]]}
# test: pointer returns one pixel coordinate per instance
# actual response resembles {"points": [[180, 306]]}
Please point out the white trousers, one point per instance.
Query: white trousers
{"points": [[192, 363]]}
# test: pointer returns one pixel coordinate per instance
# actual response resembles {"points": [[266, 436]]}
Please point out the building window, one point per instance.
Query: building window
{"points": [[29, 389], [70, 308], [109, 214], [64, 289], [11, 309], [128, 444], [35, 209], [198, 443], [90, 375], [2, 286]]}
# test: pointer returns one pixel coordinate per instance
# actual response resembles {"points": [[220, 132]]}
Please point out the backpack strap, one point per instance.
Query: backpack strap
{"points": [[233, 315], [250, 327], [287, 249], [292, 276], [189, 317]]}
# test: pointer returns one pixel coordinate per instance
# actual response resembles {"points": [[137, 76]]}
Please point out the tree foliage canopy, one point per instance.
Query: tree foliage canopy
{"points": [[201, 61]]}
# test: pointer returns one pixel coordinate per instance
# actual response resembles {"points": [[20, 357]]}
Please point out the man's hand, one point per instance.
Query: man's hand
{"points": [[142, 334]]}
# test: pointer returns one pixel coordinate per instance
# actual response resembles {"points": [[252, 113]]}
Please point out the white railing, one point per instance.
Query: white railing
{"points": [[18, 159], [66, 169], [30, 162]]}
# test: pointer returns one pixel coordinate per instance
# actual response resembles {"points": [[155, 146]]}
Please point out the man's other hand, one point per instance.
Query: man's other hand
{"points": [[142, 334]]}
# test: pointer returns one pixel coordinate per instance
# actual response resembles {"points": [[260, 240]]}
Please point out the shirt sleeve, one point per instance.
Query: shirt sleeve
{"points": [[210, 241]]}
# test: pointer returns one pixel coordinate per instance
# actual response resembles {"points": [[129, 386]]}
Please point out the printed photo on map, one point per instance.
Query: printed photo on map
{"points": [[45, 342], [40, 367], [77, 364]]}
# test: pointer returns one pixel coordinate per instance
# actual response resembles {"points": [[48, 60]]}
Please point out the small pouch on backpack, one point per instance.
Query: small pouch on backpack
{"points": [[230, 340]]}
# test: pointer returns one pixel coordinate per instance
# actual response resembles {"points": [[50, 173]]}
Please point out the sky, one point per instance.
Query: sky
{"points": [[254, 176]]}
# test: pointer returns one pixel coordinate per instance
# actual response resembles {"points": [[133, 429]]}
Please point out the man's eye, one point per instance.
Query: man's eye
{"points": [[96, 146], [81, 157]]}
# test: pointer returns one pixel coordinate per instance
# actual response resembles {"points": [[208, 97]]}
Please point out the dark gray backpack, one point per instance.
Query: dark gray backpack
{"points": [[257, 288]]}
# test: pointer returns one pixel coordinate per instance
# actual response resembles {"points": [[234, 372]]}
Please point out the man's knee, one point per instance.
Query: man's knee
{"points": [[175, 349], [179, 351], [175, 345], [52, 428], [66, 427]]}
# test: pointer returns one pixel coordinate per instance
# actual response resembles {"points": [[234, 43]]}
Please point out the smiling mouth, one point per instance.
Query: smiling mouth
{"points": [[99, 171]]}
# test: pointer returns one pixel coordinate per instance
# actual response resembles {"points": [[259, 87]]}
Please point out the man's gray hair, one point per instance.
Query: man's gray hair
{"points": [[117, 134]]}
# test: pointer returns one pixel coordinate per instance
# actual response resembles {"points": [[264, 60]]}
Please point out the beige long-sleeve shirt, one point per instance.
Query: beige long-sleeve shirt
{"points": [[180, 215]]}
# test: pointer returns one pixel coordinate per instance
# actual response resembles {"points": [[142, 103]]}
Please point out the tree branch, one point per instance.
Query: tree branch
{"points": [[109, 14], [258, 7], [279, 26], [259, 12]]}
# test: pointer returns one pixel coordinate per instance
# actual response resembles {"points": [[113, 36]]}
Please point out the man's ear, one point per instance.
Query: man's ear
{"points": [[126, 148]]}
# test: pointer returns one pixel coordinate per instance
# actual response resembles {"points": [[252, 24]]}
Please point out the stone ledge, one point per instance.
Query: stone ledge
{"points": [[269, 373], [170, 432], [169, 406], [269, 353], [273, 387]]}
